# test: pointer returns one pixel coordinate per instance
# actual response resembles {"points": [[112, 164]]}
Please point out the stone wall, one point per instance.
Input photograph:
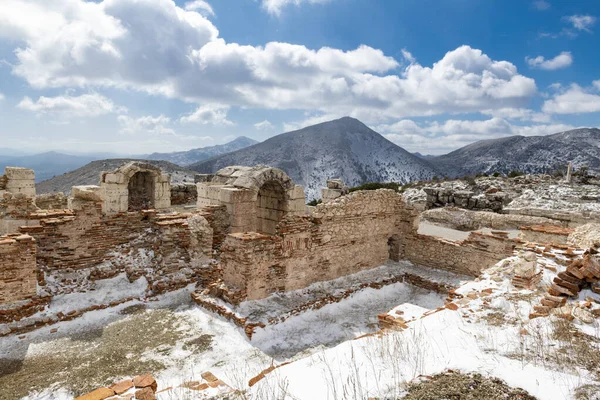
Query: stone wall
{"points": [[18, 277], [545, 234], [491, 200], [52, 201], [183, 193], [355, 232], [470, 257], [17, 180]]}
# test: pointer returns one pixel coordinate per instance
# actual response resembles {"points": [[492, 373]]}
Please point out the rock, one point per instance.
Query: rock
{"points": [[585, 236], [98, 394], [145, 394], [583, 315], [144, 381], [209, 377], [122, 387]]}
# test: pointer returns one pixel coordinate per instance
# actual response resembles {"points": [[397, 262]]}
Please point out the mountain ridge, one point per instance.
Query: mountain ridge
{"points": [[343, 148]]}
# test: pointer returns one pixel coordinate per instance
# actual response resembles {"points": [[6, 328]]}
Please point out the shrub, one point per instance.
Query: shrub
{"points": [[514, 173], [496, 174], [376, 185], [314, 202]]}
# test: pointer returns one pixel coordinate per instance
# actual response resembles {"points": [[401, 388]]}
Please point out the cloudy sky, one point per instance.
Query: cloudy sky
{"points": [[136, 76]]}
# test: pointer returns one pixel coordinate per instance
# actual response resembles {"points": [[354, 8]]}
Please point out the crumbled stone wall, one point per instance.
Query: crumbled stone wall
{"points": [[18, 277], [17, 198], [491, 200], [183, 193], [168, 249], [545, 234], [342, 237], [469, 256], [51, 201], [19, 180]]}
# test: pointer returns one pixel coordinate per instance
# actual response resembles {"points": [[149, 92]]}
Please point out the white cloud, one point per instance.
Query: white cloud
{"points": [[574, 100], [86, 105], [110, 44], [145, 125], [541, 5], [581, 22], [213, 114], [1, 97], [275, 6], [264, 125], [522, 114], [201, 6], [563, 60], [440, 137]]}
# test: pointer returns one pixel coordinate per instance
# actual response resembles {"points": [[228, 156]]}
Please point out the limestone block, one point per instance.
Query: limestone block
{"points": [[199, 178], [114, 178], [164, 178], [236, 195], [297, 193], [87, 192], [18, 173]]}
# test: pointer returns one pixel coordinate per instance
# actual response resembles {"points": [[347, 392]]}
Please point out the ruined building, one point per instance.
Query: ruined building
{"points": [[249, 233]]}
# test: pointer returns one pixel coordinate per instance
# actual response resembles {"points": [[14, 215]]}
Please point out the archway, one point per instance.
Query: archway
{"points": [[394, 248], [141, 191], [271, 207]]}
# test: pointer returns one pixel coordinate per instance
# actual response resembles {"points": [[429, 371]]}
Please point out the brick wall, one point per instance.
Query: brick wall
{"points": [[18, 278], [345, 236]]}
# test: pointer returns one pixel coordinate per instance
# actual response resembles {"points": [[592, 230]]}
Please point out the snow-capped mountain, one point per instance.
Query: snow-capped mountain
{"points": [[530, 154], [344, 148], [195, 155]]}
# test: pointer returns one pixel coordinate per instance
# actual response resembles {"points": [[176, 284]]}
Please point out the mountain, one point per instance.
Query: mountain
{"points": [[90, 174], [530, 154], [46, 165], [344, 148], [424, 156], [204, 153]]}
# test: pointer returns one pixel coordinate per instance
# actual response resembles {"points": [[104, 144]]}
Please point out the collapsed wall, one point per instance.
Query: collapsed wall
{"points": [[17, 198], [352, 233]]}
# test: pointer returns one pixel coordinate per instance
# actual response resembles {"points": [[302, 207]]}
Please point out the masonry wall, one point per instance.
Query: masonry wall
{"points": [[18, 278], [182, 194], [51, 201], [470, 256], [545, 234], [342, 237]]}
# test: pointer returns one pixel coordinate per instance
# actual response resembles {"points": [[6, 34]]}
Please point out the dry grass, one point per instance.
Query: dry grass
{"points": [[454, 385]]}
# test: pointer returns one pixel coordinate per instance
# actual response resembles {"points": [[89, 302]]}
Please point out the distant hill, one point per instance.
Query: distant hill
{"points": [[204, 153], [344, 148], [46, 165], [90, 174], [424, 156], [530, 154]]}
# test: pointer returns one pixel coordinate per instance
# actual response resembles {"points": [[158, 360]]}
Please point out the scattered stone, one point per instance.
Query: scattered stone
{"points": [[122, 387], [144, 381], [146, 393], [98, 394]]}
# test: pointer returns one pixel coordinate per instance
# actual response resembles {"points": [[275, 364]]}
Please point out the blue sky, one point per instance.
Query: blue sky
{"points": [[137, 76]]}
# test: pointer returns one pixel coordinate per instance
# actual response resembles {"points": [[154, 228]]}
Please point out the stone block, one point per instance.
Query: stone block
{"points": [[236, 195], [199, 178], [297, 193], [88, 193], [18, 173], [114, 178]]}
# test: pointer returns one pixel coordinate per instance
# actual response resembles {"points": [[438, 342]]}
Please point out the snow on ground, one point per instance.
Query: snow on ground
{"points": [[379, 367], [338, 322], [490, 333]]}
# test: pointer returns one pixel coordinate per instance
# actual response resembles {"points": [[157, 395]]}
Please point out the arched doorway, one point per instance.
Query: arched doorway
{"points": [[141, 191], [271, 206], [394, 248]]}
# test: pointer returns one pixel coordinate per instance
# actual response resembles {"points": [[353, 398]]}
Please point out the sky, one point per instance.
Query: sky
{"points": [[139, 76]]}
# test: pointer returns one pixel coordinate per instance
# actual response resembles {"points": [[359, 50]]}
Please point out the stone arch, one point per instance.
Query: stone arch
{"points": [[135, 186], [140, 191], [271, 206]]}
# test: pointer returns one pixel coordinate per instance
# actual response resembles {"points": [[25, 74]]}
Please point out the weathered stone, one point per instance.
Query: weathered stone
{"points": [[145, 394], [98, 394], [122, 387], [144, 381]]}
